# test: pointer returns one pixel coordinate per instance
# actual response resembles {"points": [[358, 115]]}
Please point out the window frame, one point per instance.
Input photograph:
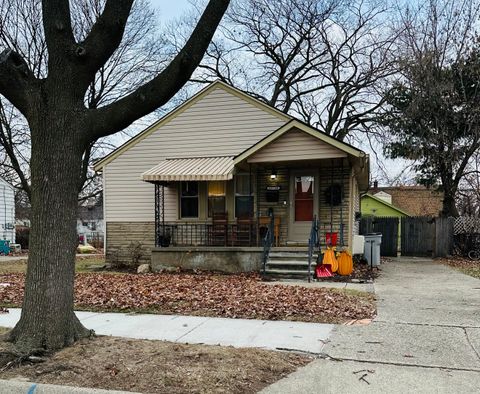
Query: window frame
{"points": [[251, 192], [180, 214]]}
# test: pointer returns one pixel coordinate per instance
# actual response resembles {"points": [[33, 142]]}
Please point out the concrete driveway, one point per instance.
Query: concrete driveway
{"points": [[425, 339]]}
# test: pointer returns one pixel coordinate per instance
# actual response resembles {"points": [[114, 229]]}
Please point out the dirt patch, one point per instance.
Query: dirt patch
{"points": [[205, 294], [160, 367], [464, 265]]}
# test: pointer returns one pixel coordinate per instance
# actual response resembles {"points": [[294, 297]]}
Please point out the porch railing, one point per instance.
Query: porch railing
{"points": [[209, 234], [267, 244], [313, 242]]}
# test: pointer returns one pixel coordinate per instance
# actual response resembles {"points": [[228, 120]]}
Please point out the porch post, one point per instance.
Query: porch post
{"points": [[159, 212]]}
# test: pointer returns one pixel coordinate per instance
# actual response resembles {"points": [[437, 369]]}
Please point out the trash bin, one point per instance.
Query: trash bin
{"points": [[372, 248]]}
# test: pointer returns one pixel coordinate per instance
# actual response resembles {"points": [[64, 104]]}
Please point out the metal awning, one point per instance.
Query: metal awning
{"points": [[191, 169]]}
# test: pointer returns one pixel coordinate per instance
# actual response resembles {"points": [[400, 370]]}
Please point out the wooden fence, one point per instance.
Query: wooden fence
{"points": [[413, 236]]}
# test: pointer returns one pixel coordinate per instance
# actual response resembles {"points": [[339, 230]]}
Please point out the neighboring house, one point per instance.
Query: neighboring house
{"points": [[7, 211], [377, 206], [414, 200], [90, 222], [205, 178]]}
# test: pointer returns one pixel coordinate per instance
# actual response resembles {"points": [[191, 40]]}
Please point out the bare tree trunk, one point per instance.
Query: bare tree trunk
{"points": [[48, 321], [449, 206]]}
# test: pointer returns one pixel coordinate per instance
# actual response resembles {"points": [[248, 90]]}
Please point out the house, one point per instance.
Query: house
{"points": [[90, 223], [211, 177], [414, 200], [7, 211], [380, 205]]}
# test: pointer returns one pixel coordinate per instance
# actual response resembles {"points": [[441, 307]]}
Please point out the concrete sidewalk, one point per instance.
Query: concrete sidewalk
{"points": [[425, 339], [16, 387], [274, 335]]}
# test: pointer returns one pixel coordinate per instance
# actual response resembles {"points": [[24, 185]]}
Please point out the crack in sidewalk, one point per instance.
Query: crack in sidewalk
{"points": [[399, 364], [471, 344], [427, 324], [194, 328]]}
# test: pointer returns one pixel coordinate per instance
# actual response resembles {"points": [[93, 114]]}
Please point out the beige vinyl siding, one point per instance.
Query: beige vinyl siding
{"points": [[296, 145], [219, 124]]}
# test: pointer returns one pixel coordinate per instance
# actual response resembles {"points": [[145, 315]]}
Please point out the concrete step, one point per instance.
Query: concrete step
{"points": [[287, 274], [303, 249], [297, 272], [303, 262], [289, 255]]}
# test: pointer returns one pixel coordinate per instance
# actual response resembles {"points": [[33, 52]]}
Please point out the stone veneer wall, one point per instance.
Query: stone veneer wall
{"points": [[120, 235]]}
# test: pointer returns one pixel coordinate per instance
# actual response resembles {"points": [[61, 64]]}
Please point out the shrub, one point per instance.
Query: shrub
{"points": [[22, 236], [135, 253]]}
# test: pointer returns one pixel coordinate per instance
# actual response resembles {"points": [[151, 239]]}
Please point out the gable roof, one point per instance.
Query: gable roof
{"points": [[294, 123], [383, 202], [181, 108]]}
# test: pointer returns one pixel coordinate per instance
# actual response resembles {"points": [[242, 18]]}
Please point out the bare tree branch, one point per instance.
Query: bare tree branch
{"points": [[158, 91], [16, 79], [59, 38], [106, 34]]}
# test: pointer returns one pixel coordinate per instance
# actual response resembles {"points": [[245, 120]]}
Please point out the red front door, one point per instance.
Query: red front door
{"points": [[302, 205], [304, 190]]}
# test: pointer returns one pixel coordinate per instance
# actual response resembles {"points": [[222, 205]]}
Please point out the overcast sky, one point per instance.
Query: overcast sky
{"points": [[169, 9]]}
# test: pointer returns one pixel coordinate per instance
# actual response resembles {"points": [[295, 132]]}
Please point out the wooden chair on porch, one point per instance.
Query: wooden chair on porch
{"points": [[219, 230], [243, 232], [264, 221]]}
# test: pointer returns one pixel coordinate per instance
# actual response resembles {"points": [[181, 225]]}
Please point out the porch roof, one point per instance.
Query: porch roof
{"points": [[219, 168]]}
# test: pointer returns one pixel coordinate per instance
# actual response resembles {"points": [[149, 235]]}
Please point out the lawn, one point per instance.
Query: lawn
{"points": [[464, 265], [160, 367], [205, 294], [83, 264]]}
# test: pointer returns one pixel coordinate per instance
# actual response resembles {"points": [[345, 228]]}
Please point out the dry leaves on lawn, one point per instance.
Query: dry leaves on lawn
{"points": [[463, 264], [206, 294]]}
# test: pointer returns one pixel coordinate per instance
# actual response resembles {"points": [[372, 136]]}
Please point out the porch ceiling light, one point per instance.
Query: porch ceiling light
{"points": [[273, 175]]}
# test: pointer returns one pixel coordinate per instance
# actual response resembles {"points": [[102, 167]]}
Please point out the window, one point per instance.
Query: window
{"points": [[216, 197], [243, 196], [189, 200]]}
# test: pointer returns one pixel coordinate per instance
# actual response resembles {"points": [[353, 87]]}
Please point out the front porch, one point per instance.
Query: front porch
{"points": [[235, 208], [238, 212]]}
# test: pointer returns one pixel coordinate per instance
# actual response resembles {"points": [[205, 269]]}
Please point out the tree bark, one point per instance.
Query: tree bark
{"points": [[48, 321], [449, 207]]}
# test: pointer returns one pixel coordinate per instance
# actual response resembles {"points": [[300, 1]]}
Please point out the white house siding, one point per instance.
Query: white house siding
{"points": [[219, 124], [295, 145], [7, 212]]}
